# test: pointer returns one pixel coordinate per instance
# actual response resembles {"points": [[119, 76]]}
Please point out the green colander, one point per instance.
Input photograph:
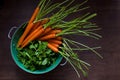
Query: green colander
{"points": [[14, 53]]}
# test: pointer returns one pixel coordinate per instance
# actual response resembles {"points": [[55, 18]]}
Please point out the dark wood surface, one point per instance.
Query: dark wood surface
{"points": [[15, 12]]}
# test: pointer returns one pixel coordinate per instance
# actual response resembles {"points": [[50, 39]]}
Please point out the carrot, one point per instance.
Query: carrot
{"points": [[44, 21], [53, 48], [49, 36], [55, 41], [25, 33], [59, 38], [32, 36], [55, 31], [54, 44], [34, 14], [48, 29], [35, 26], [29, 26]]}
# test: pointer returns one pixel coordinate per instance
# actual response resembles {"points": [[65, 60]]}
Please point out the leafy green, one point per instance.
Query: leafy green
{"points": [[36, 56]]}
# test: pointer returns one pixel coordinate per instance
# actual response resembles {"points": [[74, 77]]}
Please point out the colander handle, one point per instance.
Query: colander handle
{"points": [[63, 64], [9, 33]]}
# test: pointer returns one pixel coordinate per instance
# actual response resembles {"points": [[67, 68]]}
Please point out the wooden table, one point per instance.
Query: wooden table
{"points": [[15, 12]]}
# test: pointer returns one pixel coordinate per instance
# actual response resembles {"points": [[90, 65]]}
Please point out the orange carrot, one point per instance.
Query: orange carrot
{"points": [[37, 24], [25, 33], [32, 36], [48, 29], [53, 48], [55, 41], [49, 36], [54, 44], [55, 31], [29, 26], [58, 38], [34, 14], [44, 21]]}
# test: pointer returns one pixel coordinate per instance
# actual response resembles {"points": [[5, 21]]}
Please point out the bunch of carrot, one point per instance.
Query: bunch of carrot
{"points": [[51, 29], [36, 31]]}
